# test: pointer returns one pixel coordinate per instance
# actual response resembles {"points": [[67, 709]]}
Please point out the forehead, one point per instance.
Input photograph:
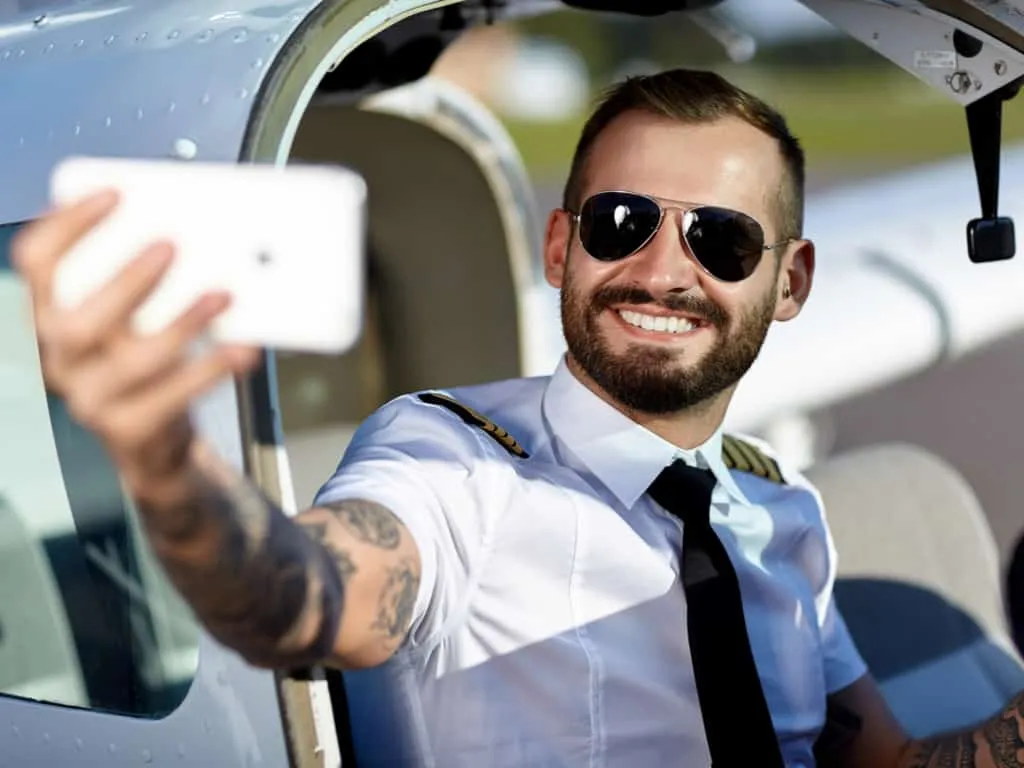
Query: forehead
{"points": [[727, 162]]}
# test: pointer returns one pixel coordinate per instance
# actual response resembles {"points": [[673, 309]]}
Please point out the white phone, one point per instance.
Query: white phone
{"points": [[288, 244]]}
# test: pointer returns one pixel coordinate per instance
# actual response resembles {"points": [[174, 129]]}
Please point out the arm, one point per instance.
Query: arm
{"points": [[996, 743], [872, 738], [334, 585]]}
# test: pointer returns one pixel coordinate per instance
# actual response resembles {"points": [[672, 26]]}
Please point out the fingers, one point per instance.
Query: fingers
{"points": [[132, 363], [106, 313], [135, 421], [38, 247]]}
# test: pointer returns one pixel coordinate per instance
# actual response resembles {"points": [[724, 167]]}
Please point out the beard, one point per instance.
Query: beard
{"points": [[653, 380]]}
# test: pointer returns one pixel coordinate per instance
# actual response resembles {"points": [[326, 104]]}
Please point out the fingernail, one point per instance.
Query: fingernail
{"points": [[216, 301], [241, 359]]}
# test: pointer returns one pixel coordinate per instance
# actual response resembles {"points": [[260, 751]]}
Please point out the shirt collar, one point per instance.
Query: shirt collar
{"points": [[623, 455]]}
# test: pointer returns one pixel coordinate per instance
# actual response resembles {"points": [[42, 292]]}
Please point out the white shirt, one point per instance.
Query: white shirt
{"points": [[550, 626]]}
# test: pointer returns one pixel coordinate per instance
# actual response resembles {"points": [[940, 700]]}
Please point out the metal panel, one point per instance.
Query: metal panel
{"points": [[920, 41], [130, 79]]}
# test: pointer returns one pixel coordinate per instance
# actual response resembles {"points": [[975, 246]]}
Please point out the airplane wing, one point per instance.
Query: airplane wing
{"points": [[894, 292]]}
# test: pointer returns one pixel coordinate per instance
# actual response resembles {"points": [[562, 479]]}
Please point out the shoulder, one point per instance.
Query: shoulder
{"points": [[749, 455], [468, 421], [509, 412]]}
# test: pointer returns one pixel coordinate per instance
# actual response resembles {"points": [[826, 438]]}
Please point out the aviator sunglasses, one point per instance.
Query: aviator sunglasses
{"points": [[727, 244]]}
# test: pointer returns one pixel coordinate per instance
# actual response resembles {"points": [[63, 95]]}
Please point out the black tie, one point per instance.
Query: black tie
{"points": [[737, 721]]}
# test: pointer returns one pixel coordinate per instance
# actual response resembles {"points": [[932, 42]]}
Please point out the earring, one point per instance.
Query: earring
{"points": [[786, 293]]}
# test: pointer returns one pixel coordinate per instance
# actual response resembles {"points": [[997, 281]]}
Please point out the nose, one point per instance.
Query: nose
{"points": [[665, 264]]}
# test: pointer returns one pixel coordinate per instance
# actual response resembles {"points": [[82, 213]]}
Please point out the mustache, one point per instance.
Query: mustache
{"points": [[700, 306]]}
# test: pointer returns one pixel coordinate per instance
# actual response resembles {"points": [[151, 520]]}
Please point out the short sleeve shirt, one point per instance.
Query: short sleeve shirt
{"points": [[550, 624]]}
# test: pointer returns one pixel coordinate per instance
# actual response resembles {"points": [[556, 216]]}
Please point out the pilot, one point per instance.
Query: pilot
{"points": [[573, 570]]}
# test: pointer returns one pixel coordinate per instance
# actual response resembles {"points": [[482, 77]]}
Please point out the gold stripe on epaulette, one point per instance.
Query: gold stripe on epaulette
{"points": [[744, 457], [477, 419], [733, 457]]}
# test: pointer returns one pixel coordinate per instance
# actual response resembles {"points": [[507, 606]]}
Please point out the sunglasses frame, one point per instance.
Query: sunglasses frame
{"points": [[664, 205]]}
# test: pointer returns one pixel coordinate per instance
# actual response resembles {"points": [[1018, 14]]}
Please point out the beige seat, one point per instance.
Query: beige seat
{"points": [[452, 236], [919, 585]]}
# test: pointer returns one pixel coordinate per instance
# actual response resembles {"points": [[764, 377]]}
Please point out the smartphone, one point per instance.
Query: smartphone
{"points": [[288, 245]]}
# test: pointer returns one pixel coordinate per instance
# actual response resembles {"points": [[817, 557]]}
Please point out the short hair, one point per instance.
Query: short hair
{"points": [[695, 96]]}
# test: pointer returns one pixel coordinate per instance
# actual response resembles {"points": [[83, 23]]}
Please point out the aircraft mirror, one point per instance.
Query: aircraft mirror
{"points": [[990, 237]]}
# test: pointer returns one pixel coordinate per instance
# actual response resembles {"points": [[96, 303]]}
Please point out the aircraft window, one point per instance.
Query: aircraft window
{"points": [[86, 616]]}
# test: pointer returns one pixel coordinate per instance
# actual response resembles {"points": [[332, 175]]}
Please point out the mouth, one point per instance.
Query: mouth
{"points": [[665, 325]]}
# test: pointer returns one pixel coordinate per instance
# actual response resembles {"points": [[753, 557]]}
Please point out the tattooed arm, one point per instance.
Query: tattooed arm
{"points": [[997, 743], [335, 585], [862, 732]]}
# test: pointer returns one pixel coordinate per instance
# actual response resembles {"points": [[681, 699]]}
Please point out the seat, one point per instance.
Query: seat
{"points": [[919, 585], [454, 250]]}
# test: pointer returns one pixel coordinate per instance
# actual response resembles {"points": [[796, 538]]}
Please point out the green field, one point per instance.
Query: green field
{"points": [[877, 116]]}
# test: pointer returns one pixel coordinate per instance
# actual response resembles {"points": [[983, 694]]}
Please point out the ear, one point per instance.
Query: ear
{"points": [[795, 277], [557, 238]]}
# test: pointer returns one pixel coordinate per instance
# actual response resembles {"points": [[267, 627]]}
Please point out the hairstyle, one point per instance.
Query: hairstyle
{"points": [[694, 96]]}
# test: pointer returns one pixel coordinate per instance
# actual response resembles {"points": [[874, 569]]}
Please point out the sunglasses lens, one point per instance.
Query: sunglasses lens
{"points": [[728, 244], [614, 225]]}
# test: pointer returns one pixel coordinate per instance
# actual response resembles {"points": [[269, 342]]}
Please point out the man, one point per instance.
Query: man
{"points": [[540, 572]]}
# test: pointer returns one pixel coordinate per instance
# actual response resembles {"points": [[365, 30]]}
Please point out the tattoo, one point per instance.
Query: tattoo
{"points": [[371, 523], [954, 751], [261, 584], [342, 559], [1001, 737], [397, 600]]}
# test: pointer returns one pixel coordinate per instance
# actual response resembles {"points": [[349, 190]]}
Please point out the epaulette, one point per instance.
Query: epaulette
{"points": [[476, 419], [744, 457]]}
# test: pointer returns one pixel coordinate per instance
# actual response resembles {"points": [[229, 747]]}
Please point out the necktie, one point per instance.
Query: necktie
{"points": [[737, 721]]}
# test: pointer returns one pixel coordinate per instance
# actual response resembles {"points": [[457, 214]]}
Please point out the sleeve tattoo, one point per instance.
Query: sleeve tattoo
{"points": [[271, 588], [375, 525], [995, 744]]}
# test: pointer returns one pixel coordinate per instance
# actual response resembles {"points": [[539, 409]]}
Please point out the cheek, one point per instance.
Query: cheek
{"points": [[584, 276], [740, 300], [731, 297]]}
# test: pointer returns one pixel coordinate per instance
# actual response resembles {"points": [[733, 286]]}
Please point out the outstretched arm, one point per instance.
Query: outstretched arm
{"points": [[334, 585]]}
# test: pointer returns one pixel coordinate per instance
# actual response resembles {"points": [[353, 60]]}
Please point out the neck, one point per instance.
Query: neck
{"points": [[686, 429]]}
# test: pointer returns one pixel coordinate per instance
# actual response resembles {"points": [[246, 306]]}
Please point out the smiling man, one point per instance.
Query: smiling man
{"points": [[575, 570]]}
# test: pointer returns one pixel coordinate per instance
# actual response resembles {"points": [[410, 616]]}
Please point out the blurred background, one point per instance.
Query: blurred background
{"points": [[858, 115]]}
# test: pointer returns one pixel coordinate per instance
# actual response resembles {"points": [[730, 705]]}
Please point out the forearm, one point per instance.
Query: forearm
{"points": [[258, 582], [997, 743]]}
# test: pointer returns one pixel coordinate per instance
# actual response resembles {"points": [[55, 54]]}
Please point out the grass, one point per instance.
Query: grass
{"points": [[883, 117]]}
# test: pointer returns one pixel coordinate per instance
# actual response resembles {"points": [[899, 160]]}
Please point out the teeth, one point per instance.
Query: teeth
{"points": [[659, 324]]}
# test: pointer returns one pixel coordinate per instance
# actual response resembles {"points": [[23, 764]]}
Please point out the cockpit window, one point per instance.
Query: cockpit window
{"points": [[87, 618]]}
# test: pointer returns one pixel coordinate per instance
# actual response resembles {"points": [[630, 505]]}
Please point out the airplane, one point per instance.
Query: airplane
{"points": [[100, 661]]}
